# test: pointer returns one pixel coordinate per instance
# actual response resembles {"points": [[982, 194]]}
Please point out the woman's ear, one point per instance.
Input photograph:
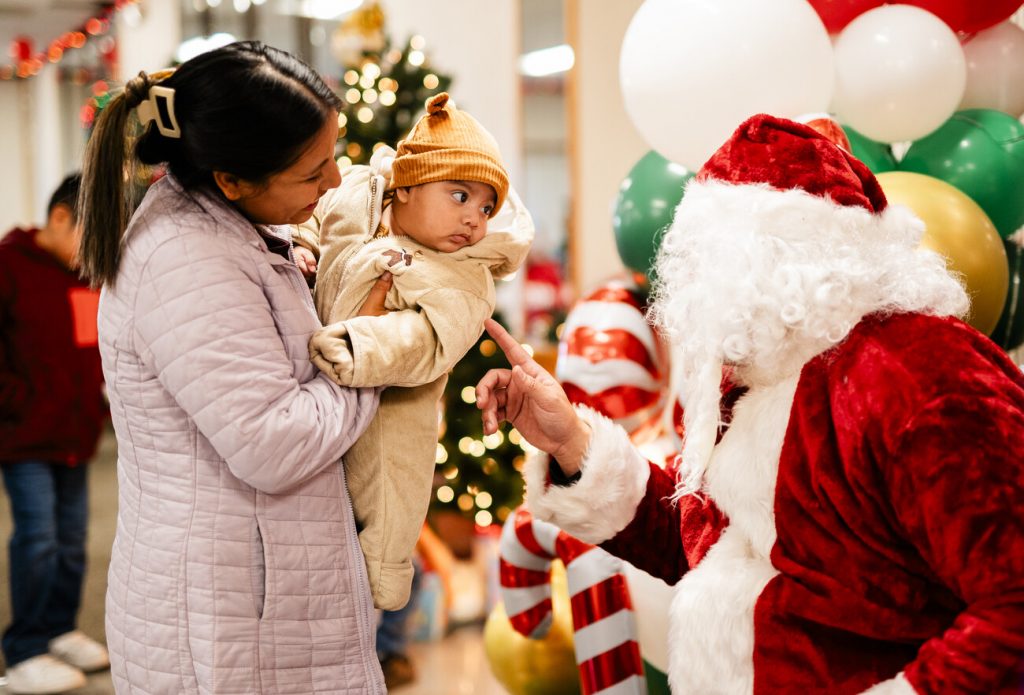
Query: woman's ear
{"points": [[233, 187]]}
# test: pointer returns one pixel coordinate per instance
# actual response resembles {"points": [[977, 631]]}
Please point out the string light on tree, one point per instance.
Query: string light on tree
{"points": [[384, 86], [481, 467]]}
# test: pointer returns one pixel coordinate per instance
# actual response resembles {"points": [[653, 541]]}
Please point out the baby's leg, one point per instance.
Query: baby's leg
{"points": [[393, 503]]}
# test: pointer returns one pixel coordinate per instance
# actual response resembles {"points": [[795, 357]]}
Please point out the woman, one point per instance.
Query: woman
{"points": [[235, 568]]}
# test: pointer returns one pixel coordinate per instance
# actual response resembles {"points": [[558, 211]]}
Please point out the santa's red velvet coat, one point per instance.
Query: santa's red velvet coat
{"points": [[862, 529]]}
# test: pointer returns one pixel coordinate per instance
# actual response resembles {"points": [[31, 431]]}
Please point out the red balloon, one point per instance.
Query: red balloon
{"points": [[964, 16], [836, 14], [969, 16]]}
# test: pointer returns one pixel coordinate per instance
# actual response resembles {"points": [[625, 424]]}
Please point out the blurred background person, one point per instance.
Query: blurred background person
{"points": [[51, 414]]}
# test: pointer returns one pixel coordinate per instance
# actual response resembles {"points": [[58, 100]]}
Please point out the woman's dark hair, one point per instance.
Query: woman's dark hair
{"points": [[246, 109]]}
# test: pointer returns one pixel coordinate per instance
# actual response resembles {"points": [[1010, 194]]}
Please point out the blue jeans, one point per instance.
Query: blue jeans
{"points": [[393, 628], [49, 508]]}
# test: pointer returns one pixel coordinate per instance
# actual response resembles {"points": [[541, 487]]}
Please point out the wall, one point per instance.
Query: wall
{"points": [[31, 134], [604, 144], [147, 40]]}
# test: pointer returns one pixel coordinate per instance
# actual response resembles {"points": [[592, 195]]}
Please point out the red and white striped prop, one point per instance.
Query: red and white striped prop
{"points": [[610, 359], [604, 629]]}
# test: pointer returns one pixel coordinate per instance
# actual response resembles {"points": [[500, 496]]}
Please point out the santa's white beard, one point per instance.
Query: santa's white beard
{"points": [[764, 280]]}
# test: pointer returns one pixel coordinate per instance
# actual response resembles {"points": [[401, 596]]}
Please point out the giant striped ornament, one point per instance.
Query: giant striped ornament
{"points": [[611, 359], [604, 628]]}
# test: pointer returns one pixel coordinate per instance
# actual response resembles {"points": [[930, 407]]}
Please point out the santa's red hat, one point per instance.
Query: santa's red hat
{"points": [[786, 155]]}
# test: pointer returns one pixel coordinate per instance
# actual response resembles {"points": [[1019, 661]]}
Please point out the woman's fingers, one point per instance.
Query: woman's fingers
{"points": [[374, 304]]}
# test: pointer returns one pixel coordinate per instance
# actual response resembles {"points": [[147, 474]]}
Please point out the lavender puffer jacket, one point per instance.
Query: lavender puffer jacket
{"points": [[235, 567]]}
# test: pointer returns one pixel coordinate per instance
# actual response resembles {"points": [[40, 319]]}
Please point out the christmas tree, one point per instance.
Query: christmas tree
{"points": [[477, 476], [383, 87]]}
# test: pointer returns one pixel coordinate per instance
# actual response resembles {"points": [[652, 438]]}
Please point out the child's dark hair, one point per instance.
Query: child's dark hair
{"points": [[66, 195], [245, 109]]}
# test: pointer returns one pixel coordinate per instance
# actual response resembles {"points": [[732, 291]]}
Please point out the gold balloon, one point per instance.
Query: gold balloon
{"points": [[544, 666], [958, 229]]}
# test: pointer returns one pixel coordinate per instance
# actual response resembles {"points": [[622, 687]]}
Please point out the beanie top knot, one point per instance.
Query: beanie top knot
{"points": [[437, 103]]}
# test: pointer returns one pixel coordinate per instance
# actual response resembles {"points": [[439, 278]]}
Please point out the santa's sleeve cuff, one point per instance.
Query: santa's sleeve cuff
{"points": [[894, 686], [604, 499]]}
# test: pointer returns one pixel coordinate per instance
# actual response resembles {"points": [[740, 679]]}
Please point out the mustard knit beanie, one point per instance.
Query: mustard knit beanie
{"points": [[447, 144]]}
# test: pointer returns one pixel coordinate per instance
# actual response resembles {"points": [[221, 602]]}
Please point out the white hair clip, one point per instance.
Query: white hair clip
{"points": [[150, 110]]}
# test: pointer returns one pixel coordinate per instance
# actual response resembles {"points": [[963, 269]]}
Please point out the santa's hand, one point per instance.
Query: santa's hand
{"points": [[530, 398]]}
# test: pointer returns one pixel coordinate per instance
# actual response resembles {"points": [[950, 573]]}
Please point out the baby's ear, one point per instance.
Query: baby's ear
{"points": [[402, 194]]}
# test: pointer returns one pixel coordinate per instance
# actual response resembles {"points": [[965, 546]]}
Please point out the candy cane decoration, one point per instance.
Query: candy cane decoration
{"points": [[604, 631], [610, 359]]}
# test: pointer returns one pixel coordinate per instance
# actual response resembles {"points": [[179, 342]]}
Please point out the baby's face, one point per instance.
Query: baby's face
{"points": [[445, 215]]}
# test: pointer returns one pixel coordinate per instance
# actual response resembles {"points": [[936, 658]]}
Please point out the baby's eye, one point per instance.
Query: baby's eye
{"points": [[460, 196], [486, 209]]}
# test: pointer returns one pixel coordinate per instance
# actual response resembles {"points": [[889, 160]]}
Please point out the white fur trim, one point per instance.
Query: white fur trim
{"points": [[894, 686], [745, 465], [712, 616], [604, 500], [711, 627]]}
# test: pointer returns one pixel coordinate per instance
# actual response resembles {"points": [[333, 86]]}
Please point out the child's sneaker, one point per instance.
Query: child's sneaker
{"points": [[43, 675], [82, 652]]}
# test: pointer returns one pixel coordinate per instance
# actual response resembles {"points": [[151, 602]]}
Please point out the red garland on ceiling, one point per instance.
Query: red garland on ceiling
{"points": [[28, 61]]}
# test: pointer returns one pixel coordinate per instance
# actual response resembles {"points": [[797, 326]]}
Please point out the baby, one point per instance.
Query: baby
{"points": [[421, 214]]}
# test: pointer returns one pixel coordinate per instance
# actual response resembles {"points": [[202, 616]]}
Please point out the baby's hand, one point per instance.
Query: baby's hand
{"points": [[306, 261]]}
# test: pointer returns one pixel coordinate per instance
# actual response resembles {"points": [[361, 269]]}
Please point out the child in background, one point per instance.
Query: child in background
{"points": [[52, 411], [422, 215]]}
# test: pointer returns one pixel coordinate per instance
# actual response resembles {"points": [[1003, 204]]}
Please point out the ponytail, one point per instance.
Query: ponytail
{"points": [[106, 199]]}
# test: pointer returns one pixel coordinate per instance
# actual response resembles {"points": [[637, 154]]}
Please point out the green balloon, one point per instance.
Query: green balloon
{"points": [[1009, 332], [647, 200], [877, 156], [657, 681], [981, 152]]}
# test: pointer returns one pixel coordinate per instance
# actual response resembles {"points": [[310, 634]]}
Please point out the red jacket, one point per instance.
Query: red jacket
{"points": [[871, 523], [51, 402]]}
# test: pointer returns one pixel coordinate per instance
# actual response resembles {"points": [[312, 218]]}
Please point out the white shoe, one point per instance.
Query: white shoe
{"points": [[41, 675], [82, 652]]}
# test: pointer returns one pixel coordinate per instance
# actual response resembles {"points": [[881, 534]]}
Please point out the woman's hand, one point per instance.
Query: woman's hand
{"points": [[374, 304], [535, 404]]}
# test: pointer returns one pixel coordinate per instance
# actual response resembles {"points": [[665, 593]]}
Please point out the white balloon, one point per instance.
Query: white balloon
{"points": [[900, 73], [693, 70], [995, 70], [651, 598]]}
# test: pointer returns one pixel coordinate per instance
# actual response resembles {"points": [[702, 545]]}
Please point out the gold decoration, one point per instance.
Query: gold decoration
{"points": [[960, 231], [545, 666]]}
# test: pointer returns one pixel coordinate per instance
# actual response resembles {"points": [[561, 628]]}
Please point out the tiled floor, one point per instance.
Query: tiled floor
{"points": [[455, 665]]}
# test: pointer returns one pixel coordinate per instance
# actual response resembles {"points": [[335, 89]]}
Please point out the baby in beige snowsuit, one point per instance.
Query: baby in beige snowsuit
{"points": [[421, 214]]}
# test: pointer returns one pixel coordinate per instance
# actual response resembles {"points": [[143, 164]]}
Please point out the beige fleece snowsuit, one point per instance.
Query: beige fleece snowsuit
{"points": [[438, 304]]}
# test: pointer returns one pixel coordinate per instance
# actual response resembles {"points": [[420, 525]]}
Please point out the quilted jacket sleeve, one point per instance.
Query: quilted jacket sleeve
{"points": [[402, 348], [956, 482], [205, 326]]}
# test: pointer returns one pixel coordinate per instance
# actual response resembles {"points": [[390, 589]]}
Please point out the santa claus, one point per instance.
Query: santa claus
{"points": [[854, 521]]}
